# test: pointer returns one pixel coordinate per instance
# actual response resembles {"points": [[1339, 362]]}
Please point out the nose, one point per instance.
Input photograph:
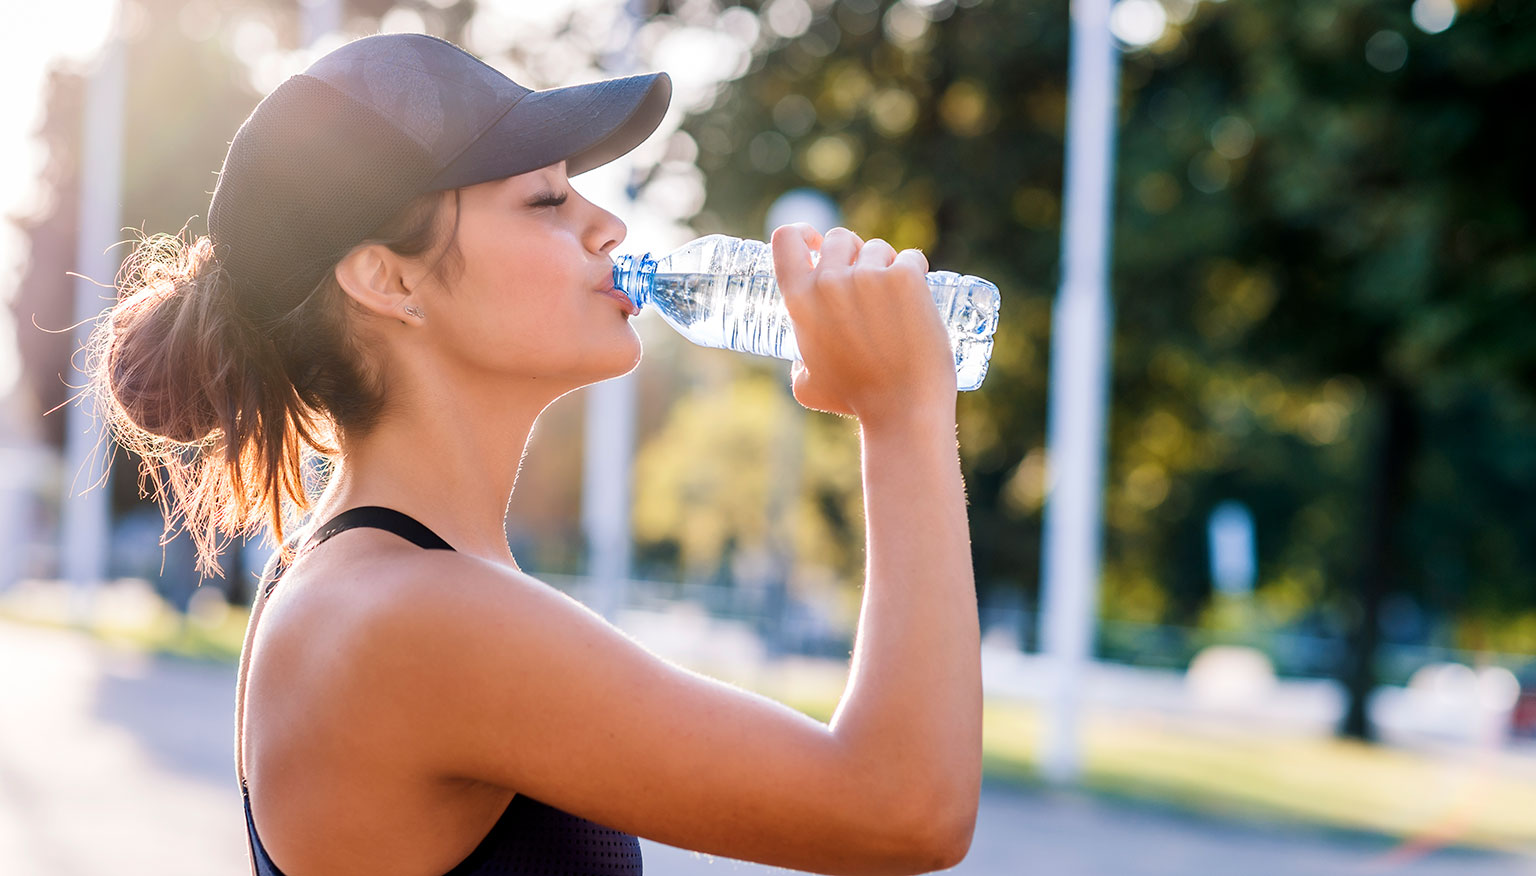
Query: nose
{"points": [[606, 232]]}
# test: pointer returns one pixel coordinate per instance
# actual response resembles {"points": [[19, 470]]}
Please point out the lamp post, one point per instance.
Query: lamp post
{"points": [[609, 440], [1076, 419], [85, 520]]}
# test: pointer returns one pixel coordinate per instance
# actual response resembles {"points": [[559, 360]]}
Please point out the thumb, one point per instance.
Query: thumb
{"points": [[792, 263]]}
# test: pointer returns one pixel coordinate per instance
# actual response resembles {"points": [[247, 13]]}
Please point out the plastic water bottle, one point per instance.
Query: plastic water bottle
{"points": [[720, 291]]}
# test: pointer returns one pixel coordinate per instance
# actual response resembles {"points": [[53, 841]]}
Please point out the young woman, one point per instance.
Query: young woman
{"points": [[400, 275]]}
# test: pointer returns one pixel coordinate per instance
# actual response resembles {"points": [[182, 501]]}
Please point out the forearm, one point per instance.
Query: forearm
{"points": [[913, 702]]}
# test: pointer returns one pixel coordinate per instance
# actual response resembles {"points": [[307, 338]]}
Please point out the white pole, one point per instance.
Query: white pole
{"points": [[605, 491], [1079, 386], [609, 449], [86, 517], [21, 464], [817, 209]]}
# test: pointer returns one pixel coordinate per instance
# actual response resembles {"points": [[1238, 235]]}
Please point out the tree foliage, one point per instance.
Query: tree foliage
{"points": [[1323, 281]]}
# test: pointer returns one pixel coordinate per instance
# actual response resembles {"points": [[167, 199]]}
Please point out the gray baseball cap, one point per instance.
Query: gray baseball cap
{"points": [[338, 149]]}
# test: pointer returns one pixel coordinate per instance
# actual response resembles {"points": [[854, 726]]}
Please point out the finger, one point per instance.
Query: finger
{"points": [[792, 245], [876, 253], [912, 258], [840, 247]]}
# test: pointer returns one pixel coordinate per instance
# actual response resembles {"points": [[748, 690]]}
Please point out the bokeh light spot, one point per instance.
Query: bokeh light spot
{"points": [[1387, 51], [1138, 23], [1158, 192], [788, 18], [829, 159], [1433, 16], [1209, 172], [906, 26], [769, 152], [794, 115], [1232, 137], [1024, 492], [893, 111], [965, 109]]}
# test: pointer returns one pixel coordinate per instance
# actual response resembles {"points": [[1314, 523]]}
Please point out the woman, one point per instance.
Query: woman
{"points": [[400, 275]]}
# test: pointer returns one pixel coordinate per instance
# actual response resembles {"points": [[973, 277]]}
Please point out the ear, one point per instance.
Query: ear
{"points": [[373, 277]]}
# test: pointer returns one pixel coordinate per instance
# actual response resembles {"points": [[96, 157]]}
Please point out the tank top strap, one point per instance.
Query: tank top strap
{"points": [[363, 517], [378, 517]]}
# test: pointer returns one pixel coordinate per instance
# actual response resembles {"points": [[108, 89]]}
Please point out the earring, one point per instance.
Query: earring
{"points": [[413, 310]]}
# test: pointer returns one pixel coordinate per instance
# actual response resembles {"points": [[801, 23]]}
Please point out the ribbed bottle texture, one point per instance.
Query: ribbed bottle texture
{"points": [[720, 291]]}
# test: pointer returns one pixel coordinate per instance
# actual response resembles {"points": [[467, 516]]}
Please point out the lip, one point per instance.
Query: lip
{"points": [[612, 291]]}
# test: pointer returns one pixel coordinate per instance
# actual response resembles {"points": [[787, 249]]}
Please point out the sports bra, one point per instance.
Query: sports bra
{"points": [[530, 837]]}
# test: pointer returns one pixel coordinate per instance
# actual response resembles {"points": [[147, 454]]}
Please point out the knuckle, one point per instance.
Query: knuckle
{"points": [[869, 276], [831, 278]]}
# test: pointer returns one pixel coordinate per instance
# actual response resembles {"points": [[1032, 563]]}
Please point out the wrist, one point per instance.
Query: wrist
{"points": [[904, 417]]}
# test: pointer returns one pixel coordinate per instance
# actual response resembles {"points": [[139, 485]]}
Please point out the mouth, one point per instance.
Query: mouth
{"points": [[629, 306]]}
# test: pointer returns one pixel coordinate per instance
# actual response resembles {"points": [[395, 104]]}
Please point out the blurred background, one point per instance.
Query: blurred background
{"points": [[1306, 595]]}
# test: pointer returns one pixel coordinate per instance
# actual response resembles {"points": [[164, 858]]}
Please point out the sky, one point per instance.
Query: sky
{"points": [[35, 35]]}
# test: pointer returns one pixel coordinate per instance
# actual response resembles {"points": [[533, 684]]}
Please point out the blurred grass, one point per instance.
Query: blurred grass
{"points": [[138, 620], [1182, 762], [1228, 772]]}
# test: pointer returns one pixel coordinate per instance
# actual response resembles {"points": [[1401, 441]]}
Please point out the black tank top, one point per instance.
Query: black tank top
{"points": [[530, 837]]}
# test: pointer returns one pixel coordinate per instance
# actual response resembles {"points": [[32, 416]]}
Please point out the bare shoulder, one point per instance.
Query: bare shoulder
{"points": [[489, 675]]}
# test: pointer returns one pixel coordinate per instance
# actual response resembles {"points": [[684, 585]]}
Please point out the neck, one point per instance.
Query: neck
{"points": [[452, 472]]}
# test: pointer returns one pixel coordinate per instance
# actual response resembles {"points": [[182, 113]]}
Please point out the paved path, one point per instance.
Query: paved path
{"points": [[112, 762]]}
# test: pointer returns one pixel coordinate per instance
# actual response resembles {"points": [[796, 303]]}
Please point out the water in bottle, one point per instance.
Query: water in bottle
{"points": [[720, 291]]}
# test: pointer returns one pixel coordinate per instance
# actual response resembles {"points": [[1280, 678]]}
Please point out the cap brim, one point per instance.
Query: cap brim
{"points": [[585, 125]]}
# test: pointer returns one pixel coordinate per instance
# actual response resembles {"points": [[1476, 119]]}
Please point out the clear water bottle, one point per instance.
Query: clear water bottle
{"points": [[720, 291]]}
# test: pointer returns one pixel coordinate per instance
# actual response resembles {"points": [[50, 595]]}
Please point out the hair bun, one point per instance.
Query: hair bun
{"points": [[162, 354]]}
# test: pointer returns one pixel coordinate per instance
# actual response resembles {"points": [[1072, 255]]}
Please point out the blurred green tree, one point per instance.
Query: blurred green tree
{"points": [[1323, 278], [1375, 183]]}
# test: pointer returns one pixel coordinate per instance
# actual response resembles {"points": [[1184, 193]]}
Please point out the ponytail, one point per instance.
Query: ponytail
{"points": [[200, 396], [222, 412]]}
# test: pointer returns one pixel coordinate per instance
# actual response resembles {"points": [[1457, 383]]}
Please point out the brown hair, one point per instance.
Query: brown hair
{"points": [[221, 412]]}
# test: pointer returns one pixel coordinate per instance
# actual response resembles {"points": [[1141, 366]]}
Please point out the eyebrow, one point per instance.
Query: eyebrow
{"points": [[542, 171]]}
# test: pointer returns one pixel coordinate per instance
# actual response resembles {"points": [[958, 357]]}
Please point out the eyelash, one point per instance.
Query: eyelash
{"points": [[548, 201]]}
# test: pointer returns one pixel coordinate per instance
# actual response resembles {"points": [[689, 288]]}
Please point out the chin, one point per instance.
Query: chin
{"points": [[634, 351], [617, 360]]}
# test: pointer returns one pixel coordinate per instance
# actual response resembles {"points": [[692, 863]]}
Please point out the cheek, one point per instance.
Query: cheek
{"points": [[519, 306]]}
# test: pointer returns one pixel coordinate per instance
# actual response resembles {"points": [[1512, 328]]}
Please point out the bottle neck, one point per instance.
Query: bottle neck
{"points": [[635, 276]]}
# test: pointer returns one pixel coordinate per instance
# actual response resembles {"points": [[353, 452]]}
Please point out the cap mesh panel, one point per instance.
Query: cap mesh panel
{"points": [[310, 174]]}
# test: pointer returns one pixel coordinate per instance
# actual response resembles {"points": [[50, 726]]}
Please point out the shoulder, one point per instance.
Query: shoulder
{"points": [[403, 616], [381, 633], [447, 654]]}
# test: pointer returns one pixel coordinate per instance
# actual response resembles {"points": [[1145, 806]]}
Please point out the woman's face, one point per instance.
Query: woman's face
{"points": [[530, 300]]}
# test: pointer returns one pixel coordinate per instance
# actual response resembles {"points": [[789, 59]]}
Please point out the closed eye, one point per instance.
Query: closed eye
{"points": [[548, 199]]}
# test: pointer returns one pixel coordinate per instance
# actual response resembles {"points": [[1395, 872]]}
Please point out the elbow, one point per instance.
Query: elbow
{"points": [[941, 830], [953, 843]]}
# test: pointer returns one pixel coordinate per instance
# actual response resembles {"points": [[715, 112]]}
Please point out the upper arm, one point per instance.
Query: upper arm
{"points": [[497, 677]]}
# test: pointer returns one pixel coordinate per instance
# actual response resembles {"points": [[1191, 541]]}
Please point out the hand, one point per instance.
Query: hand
{"points": [[871, 341]]}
